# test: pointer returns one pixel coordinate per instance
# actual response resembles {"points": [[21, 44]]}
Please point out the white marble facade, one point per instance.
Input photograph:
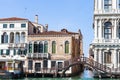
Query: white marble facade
{"points": [[105, 46]]}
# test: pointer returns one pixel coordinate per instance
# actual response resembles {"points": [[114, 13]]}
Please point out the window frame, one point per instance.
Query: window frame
{"points": [[23, 25], [11, 25], [4, 25]]}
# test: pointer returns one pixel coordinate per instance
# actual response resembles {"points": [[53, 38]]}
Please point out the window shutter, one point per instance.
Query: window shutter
{"points": [[14, 52], [1, 52]]}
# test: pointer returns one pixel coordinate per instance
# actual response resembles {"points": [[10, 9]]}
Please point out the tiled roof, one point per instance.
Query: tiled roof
{"points": [[55, 33], [12, 19]]}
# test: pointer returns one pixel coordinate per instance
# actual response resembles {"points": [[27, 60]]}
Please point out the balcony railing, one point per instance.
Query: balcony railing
{"points": [[38, 55], [19, 45], [106, 41]]}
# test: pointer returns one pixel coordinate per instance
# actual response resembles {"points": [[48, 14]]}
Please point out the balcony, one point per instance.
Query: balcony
{"points": [[111, 11], [38, 55], [106, 41], [19, 45]]}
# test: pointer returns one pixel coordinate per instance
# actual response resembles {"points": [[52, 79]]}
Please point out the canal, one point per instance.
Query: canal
{"points": [[86, 75]]}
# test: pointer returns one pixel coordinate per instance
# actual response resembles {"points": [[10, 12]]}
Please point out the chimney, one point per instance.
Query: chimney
{"points": [[36, 19], [46, 26]]}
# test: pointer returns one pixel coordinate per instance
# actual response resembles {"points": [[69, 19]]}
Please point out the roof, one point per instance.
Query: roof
{"points": [[55, 33], [12, 19]]}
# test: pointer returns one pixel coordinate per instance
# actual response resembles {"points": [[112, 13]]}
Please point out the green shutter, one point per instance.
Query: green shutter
{"points": [[14, 52], [1, 52], [7, 52]]}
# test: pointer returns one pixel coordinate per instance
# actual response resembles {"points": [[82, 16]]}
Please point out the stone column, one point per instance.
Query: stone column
{"points": [[95, 4], [115, 29], [114, 59], [95, 54], [100, 30], [100, 56], [95, 28], [14, 37]]}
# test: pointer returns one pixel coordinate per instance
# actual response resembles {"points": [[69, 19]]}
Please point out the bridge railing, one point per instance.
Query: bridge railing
{"points": [[97, 65]]}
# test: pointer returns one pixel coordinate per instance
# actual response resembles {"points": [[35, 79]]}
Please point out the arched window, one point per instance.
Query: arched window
{"points": [[119, 30], [66, 47], [35, 47], [107, 57], [11, 37], [4, 38], [22, 37], [17, 38], [107, 30], [53, 47], [40, 47], [45, 47], [30, 47]]}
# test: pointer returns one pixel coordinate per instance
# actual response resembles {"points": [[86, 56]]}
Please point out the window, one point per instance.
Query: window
{"points": [[4, 38], [107, 5], [4, 25], [23, 37], [119, 4], [53, 47], [23, 25], [53, 64], [11, 25], [35, 47], [66, 47], [11, 37], [30, 47], [17, 39], [30, 65], [107, 57], [40, 47], [7, 52], [119, 30], [107, 30], [45, 63], [45, 47]]}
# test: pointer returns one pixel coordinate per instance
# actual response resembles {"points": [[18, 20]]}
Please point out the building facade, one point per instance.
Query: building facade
{"points": [[53, 49], [13, 40], [105, 47]]}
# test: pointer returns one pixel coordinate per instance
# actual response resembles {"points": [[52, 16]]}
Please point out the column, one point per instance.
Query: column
{"points": [[95, 54], [114, 59], [100, 4], [8, 37], [100, 56], [118, 58], [14, 37], [95, 28], [115, 29], [100, 29], [95, 4]]}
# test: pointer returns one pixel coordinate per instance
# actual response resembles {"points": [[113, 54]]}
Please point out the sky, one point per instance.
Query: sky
{"points": [[58, 14]]}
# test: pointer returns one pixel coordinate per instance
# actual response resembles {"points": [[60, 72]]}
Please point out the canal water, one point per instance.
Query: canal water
{"points": [[86, 75]]}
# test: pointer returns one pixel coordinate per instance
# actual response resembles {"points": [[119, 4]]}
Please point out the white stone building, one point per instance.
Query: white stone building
{"points": [[105, 47], [13, 39]]}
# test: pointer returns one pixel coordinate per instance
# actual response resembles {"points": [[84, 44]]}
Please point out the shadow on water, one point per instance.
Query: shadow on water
{"points": [[86, 75]]}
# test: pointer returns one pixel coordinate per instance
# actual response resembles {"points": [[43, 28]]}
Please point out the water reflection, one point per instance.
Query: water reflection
{"points": [[87, 74]]}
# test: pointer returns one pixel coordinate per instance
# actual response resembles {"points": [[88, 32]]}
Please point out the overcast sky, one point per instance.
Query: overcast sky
{"points": [[58, 14]]}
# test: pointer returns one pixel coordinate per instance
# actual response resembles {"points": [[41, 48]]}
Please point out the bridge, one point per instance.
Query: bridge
{"points": [[100, 68]]}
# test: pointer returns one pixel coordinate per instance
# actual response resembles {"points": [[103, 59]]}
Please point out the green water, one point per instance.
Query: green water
{"points": [[86, 75]]}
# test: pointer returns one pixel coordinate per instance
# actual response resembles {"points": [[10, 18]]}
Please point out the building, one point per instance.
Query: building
{"points": [[105, 47], [13, 40], [51, 50]]}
